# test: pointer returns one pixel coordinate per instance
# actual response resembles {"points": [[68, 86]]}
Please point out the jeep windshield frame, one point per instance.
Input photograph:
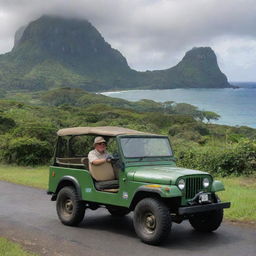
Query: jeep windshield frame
{"points": [[140, 147]]}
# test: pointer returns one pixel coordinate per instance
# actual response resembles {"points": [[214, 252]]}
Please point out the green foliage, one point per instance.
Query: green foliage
{"points": [[40, 131], [189, 131], [25, 151], [235, 159], [208, 115], [187, 109], [62, 96], [6, 124], [28, 131], [146, 105]]}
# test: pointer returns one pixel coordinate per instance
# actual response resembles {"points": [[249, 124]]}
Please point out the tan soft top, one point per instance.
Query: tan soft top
{"points": [[103, 130]]}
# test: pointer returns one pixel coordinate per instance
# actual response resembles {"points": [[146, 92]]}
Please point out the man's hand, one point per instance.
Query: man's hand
{"points": [[109, 159]]}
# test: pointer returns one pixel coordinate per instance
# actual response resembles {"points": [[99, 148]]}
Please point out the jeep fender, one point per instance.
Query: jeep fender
{"points": [[217, 186], [67, 181], [151, 190]]}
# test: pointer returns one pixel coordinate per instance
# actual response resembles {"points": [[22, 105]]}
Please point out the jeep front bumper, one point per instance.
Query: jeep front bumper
{"points": [[202, 208]]}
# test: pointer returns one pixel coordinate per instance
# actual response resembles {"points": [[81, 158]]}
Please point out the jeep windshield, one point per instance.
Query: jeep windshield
{"points": [[140, 147]]}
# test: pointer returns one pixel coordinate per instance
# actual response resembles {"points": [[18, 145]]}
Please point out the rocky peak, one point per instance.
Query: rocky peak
{"points": [[71, 40], [200, 56]]}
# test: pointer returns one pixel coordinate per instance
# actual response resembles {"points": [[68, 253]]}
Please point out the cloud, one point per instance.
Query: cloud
{"points": [[151, 34], [237, 56]]}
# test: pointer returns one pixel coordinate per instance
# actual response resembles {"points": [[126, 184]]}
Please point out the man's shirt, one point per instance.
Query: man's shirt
{"points": [[95, 155]]}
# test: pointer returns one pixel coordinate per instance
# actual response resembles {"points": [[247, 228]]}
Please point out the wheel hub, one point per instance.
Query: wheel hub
{"points": [[68, 206], [150, 222]]}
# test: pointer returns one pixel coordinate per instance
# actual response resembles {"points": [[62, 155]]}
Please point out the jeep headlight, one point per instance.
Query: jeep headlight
{"points": [[206, 182], [181, 184]]}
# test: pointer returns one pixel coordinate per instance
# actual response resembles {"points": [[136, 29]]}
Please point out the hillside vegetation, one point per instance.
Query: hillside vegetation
{"points": [[29, 122]]}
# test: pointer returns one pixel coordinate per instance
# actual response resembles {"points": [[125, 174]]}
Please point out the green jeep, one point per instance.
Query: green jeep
{"points": [[142, 177]]}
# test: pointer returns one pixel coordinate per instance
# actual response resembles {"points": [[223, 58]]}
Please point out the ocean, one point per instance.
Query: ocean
{"points": [[237, 107]]}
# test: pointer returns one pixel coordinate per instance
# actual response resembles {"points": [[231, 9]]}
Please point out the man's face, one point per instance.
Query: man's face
{"points": [[100, 147]]}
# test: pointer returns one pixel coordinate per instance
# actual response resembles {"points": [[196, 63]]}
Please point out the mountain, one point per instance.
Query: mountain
{"points": [[54, 52], [197, 69]]}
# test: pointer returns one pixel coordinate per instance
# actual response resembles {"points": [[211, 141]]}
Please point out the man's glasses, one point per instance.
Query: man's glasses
{"points": [[101, 143]]}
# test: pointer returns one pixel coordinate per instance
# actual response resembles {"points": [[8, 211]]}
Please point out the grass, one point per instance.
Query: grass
{"points": [[8, 248], [29, 176], [240, 191]]}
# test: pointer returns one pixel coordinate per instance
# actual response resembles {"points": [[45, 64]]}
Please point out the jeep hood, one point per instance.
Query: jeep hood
{"points": [[160, 174]]}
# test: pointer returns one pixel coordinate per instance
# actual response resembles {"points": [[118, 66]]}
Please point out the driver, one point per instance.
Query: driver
{"points": [[99, 155]]}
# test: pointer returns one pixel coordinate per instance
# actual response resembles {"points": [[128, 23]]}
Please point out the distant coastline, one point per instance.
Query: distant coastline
{"points": [[244, 84], [236, 107], [234, 85]]}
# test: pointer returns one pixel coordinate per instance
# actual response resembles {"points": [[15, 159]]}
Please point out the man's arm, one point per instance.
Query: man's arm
{"points": [[95, 161], [100, 161]]}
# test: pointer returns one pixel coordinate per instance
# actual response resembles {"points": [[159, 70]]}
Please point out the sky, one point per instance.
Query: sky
{"points": [[154, 34]]}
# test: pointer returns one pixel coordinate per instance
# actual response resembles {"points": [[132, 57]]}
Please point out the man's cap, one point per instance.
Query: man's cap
{"points": [[98, 140]]}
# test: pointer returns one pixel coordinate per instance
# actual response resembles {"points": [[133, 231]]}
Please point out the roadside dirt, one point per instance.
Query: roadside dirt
{"points": [[246, 224], [41, 243]]}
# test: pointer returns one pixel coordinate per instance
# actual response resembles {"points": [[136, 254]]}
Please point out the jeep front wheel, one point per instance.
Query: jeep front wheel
{"points": [[152, 221], [207, 222], [69, 208]]}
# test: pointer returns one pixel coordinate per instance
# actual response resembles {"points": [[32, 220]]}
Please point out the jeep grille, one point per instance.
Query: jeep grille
{"points": [[193, 186]]}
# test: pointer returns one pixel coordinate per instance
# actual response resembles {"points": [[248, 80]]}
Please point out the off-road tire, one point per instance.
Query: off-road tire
{"points": [[118, 211], [69, 208], [207, 221], [152, 221]]}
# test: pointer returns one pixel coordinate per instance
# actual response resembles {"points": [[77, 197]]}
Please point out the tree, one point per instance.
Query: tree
{"points": [[188, 109], [208, 115]]}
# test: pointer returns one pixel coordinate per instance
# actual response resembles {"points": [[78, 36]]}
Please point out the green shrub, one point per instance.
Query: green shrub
{"points": [[41, 131], [62, 96], [6, 124], [91, 117], [194, 131], [238, 159], [157, 119], [26, 151]]}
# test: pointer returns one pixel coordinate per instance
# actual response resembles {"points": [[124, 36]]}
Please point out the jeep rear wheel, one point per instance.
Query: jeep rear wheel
{"points": [[69, 208], [152, 221], [207, 222]]}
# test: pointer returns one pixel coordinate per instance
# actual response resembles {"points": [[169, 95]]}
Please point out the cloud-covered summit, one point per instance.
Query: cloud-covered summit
{"points": [[154, 34]]}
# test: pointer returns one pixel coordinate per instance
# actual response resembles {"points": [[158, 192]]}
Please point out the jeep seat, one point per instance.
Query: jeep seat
{"points": [[104, 176]]}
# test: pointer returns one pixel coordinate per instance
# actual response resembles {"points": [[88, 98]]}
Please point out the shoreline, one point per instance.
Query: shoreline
{"points": [[235, 106]]}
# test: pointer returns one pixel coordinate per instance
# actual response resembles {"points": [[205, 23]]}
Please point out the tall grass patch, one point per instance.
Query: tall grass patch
{"points": [[29, 176], [241, 192]]}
